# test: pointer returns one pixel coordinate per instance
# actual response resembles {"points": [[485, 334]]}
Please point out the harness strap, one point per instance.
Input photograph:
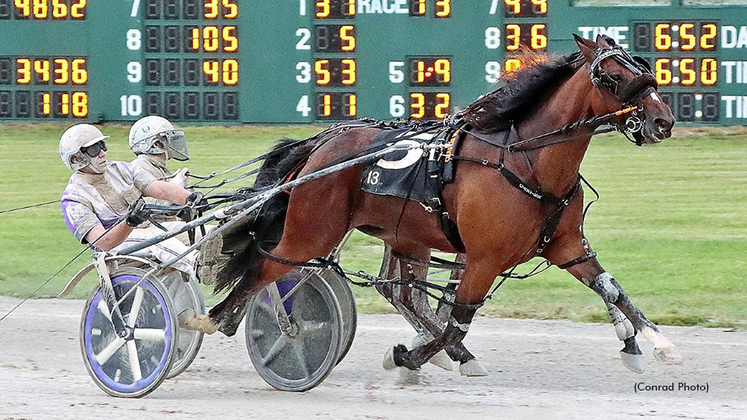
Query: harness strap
{"points": [[577, 261], [552, 221], [513, 179]]}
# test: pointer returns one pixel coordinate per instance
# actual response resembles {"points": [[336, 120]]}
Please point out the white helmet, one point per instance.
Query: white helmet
{"points": [[148, 131], [75, 137]]}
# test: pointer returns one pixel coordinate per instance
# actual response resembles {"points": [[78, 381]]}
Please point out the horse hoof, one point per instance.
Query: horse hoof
{"points": [[190, 320], [388, 362], [668, 355], [633, 362], [472, 368], [207, 325], [440, 359]]}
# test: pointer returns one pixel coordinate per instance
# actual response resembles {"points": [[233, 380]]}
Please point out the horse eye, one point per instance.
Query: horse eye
{"points": [[617, 78]]}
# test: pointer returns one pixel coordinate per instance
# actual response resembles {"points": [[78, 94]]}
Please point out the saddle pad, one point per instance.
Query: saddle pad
{"points": [[405, 173]]}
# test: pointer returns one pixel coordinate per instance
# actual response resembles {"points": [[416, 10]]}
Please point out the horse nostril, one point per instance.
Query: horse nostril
{"points": [[663, 125]]}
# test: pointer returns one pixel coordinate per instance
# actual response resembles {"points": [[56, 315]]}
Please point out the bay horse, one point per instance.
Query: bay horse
{"points": [[515, 194]]}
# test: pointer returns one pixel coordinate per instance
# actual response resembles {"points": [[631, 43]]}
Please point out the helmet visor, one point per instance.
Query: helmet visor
{"points": [[176, 144]]}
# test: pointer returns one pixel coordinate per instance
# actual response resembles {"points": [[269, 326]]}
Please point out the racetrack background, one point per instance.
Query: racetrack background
{"points": [[670, 225]]}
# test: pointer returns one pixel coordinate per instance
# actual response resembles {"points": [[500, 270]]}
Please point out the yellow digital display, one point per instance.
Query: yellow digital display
{"points": [[334, 38], [417, 8], [443, 8], [213, 38], [531, 35], [686, 71], [430, 105], [50, 9], [214, 9], [60, 71], [216, 72], [525, 8], [337, 105], [335, 72], [335, 9], [429, 71], [688, 36]]}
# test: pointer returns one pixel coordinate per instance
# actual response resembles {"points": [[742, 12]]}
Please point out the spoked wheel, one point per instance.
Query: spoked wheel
{"points": [[347, 305], [136, 365], [295, 348], [186, 297]]}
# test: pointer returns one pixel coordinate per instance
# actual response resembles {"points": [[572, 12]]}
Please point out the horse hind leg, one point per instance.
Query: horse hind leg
{"points": [[463, 310], [411, 303]]}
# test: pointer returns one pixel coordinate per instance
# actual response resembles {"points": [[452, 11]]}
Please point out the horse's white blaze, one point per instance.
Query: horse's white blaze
{"points": [[109, 350], [149, 334], [136, 302], [134, 360], [655, 97]]}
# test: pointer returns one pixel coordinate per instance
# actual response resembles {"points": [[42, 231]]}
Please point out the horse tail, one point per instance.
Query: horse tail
{"points": [[266, 227]]}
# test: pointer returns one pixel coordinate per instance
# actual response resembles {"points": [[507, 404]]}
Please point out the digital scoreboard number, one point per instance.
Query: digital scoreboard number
{"points": [[200, 77], [684, 60], [305, 61], [44, 87]]}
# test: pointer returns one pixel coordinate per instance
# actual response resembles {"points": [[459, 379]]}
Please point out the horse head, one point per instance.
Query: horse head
{"points": [[623, 81]]}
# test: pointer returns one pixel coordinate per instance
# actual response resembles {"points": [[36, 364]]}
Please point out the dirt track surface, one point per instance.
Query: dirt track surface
{"points": [[537, 370]]}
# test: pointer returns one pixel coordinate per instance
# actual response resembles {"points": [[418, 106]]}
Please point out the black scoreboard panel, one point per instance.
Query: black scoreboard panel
{"points": [[232, 61]]}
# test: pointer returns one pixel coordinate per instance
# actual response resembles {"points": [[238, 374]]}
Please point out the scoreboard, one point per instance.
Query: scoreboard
{"points": [[294, 61]]}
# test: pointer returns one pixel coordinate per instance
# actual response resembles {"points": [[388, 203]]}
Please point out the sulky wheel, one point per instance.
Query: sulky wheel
{"points": [[295, 348], [186, 298], [347, 305], [137, 364]]}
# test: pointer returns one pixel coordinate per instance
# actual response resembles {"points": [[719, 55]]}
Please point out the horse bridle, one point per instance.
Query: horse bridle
{"points": [[631, 92]]}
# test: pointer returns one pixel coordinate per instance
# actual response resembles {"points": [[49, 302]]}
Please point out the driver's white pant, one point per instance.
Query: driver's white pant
{"points": [[164, 251]]}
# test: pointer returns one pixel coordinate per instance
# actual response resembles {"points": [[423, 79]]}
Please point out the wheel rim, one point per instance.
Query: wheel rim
{"points": [[347, 306], [128, 367], [302, 359]]}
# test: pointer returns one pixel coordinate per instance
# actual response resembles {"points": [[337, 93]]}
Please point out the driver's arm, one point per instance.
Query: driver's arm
{"points": [[111, 239], [167, 191]]}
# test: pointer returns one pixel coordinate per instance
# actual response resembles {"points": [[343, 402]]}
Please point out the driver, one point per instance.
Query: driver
{"points": [[102, 192], [154, 140]]}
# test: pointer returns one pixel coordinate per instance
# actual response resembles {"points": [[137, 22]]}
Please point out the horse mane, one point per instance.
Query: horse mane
{"points": [[522, 91]]}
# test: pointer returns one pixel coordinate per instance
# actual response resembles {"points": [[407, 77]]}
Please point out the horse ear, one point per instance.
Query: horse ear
{"points": [[605, 42], [586, 47]]}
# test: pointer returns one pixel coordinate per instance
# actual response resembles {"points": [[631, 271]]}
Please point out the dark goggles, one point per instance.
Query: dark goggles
{"points": [[94, 149]]}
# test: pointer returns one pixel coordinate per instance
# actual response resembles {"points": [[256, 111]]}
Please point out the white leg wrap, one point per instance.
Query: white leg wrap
{"points": [[623, 328], [604, 287]]}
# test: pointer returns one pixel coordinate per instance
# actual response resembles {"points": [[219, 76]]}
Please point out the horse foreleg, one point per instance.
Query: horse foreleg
{"points": [[626, 317]]}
